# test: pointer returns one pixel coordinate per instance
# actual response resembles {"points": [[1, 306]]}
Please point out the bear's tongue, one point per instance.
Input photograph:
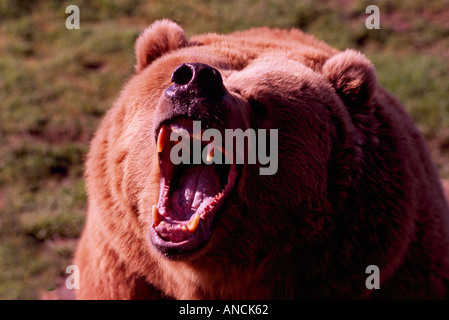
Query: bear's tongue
{"points": [[196, 188]]}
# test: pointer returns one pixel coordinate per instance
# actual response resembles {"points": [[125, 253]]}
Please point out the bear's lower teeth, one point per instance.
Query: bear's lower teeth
{"points": [[191, 226]]}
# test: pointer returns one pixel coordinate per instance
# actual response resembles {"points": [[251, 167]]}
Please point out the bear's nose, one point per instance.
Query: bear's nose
{"points": [[196, 80]]}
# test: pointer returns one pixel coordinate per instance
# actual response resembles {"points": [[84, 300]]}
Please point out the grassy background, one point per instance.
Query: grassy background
{"points": [[55, 85]]}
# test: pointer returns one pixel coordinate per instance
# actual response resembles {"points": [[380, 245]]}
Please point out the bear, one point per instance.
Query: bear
{"points": [[353, 186]]}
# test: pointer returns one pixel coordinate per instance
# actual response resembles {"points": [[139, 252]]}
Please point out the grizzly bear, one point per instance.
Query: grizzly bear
{"points": [[352, 185]]}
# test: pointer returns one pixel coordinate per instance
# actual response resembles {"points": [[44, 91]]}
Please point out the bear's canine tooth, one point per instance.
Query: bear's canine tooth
{"points": [[179, 130], [162, 138], [193, 224], [156, 217], [210, 152]]}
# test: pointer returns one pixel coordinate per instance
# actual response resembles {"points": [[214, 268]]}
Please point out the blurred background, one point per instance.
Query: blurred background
{"points": [[56, 84]]}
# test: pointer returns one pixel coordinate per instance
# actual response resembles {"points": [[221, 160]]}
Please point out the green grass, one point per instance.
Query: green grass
{"points": [[421, 81], [56, 84]]}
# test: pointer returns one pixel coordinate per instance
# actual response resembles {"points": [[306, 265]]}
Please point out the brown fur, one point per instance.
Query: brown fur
{"points": [[355, 184]]}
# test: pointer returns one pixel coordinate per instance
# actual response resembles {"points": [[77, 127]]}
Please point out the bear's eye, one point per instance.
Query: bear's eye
{"points": [[258, 108]]}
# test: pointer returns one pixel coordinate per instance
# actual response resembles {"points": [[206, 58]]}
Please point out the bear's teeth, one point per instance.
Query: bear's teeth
{"points": [[193, 224], [162, 138], [210, 152], [180, 131], [156, 217], [211, 147]]}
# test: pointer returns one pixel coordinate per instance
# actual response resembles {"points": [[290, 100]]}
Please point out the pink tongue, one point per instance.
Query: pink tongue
{"points": [[197, 188]]}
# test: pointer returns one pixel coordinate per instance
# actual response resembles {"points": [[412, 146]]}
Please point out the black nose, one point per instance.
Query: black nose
{"points": [[196, 81]]}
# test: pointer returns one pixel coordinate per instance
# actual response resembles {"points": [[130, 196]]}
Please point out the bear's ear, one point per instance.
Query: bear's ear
{"points": [[160, 37], [354, 78]]}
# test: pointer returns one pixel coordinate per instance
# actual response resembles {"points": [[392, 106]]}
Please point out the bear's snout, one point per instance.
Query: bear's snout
{"points": [[196, 80], [197, 93]]}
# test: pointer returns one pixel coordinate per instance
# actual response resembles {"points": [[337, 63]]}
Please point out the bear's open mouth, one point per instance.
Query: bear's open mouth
{"points": [[189, 194]]}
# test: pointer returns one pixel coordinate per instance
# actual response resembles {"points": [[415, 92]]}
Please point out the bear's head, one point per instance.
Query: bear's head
{"points": [[295, 103], [292, 110]]}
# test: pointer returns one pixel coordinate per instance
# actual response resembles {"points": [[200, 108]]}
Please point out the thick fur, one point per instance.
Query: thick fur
{"points": [[355, 184]]}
